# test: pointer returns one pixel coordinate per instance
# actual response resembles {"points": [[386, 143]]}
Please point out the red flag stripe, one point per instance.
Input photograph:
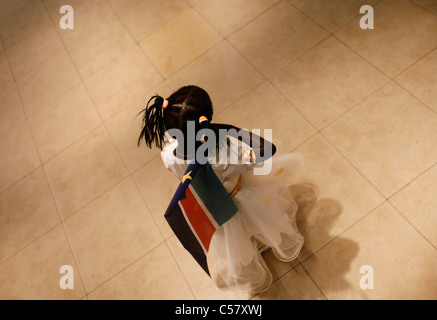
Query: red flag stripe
{"points": [[198, 219]]}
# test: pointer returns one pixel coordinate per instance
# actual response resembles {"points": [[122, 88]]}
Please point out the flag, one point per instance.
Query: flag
{"points": [[199, 206]]}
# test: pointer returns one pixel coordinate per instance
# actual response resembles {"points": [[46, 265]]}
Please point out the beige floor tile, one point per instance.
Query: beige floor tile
{"points": [[32, 52], [19, 155], [98, 36], [277, 37], [157, 185], [403, 34], [227, 16], [34, 273], [22, 22], [342, 80], [388, 138], [122, 81], [295, 285], [330, 193], [9, 7], [63, 122], [125, 128], [201, 284], [418, 203], [84, 170], [110, 233], [6, 76], [331, 14], [43, 85], [11, 112], [264, 108], [400, 257], [27, 210], [142, 18], [155, 276], [179, 42], [420, 80], [222, 72]]}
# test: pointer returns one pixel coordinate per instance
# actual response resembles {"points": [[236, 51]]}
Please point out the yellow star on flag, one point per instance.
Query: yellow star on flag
{"points": [[187, 176]]}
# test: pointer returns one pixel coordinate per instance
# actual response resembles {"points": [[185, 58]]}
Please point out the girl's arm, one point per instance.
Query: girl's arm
{"points": [[262, 148]]}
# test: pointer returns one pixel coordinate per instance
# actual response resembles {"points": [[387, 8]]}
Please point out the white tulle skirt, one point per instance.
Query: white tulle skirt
{"points": [[266, 215]]}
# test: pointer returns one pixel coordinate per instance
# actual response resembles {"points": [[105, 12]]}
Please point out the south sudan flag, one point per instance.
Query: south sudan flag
{"points": [[200, 205]]}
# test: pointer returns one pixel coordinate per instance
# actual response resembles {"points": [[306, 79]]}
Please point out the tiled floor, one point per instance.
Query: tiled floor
{"points": [[359, 105]]}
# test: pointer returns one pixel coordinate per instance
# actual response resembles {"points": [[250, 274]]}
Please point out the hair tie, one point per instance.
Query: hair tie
{"points": [[165, 104], [203, 118]]}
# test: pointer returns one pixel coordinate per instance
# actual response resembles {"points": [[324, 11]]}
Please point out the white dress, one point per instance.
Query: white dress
{"points": [[266, 215]]}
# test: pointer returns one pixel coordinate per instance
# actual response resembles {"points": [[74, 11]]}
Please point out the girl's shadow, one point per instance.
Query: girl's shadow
{"points": [[315, 219]]}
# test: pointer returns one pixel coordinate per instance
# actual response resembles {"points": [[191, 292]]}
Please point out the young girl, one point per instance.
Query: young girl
{"points": [[266, 209]]}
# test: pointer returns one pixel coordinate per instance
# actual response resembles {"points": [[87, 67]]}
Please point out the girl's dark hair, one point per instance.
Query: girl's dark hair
{"points": [[186, 104]]}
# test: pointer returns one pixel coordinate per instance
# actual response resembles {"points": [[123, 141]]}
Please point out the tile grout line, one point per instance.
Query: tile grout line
{"points": [[400, 211], [396, 79], [345, 230], [315, 283], [355, 106], [352, 165], [125, 268], [413, 96], [413, 180], [180, 268], [13, 84], [411, 224], [224, 36], [30, 243], [220, 39], [425, 8], [279, 277], [329, 33]]}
